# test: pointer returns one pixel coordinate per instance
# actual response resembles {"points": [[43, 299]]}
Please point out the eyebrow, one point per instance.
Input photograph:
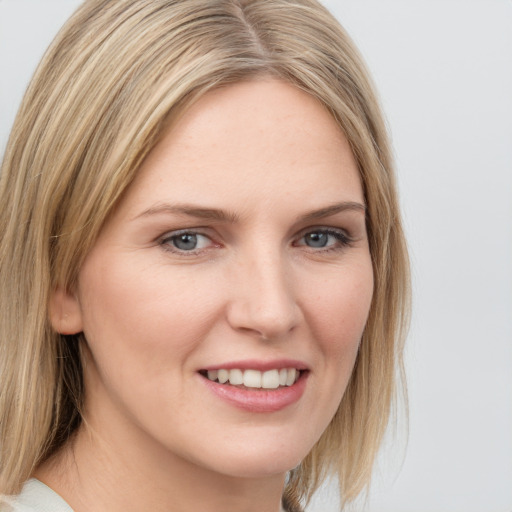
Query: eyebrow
{"points": [[231, 217], [333, 209], [190, 211]]}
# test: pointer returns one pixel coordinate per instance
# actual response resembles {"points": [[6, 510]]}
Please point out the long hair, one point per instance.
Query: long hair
{"points": [[109, 85]]}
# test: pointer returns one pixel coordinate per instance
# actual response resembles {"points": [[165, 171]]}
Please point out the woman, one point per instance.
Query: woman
{"points": [[204, 276]]}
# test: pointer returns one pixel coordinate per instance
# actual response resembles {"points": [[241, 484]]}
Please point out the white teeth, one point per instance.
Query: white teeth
{"points": [[290, 379], [236, 377], [270, 379], [223, 376], [252, 379]]}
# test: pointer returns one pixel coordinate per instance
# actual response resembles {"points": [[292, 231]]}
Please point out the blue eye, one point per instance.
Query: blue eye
{"points": [[186, 241], [324, 239], [316, 239]]}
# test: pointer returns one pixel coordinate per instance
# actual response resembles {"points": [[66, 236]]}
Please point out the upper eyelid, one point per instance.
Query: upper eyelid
{"points": [[177, 232], [169, 235], [206, 232], [203, 230], [165, 242], [343, 240], [327, 229]]}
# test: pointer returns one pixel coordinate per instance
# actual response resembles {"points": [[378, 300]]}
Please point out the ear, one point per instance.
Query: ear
{"points": [[65, 312]]}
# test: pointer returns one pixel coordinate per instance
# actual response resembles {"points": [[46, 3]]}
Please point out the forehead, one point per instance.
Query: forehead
{"points": [[254, 141]]}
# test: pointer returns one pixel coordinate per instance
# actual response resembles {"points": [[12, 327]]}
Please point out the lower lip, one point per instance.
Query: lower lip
{"points": [[259, 400]]}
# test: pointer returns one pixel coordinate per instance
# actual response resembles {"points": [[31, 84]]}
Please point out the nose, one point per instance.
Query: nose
{"points": [[263, 300]]}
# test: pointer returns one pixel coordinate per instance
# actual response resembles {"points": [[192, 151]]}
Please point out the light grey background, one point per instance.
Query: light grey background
{"points": [[444, 71]]}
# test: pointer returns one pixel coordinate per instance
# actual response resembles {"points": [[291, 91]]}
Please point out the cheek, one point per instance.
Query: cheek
{"points": [[126, 292], [337, 315], [339, 310], [142, 317], [142, 324]]}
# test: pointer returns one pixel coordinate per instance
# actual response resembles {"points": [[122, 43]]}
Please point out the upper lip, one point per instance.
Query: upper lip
{"points": [[254, 364]]}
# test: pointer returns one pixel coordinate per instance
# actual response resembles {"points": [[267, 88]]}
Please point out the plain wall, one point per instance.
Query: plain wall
{"points": [[444, 72]]}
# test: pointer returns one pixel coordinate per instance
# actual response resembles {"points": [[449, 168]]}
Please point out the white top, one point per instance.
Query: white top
{"points": [[36, 497]]}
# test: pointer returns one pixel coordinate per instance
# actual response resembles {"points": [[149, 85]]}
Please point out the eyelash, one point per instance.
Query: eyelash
{"points": [[167, 242], [342, 238]]}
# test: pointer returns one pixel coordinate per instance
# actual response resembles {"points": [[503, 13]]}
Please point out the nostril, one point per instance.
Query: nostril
{"points": [[262, 323], [263, 300]]}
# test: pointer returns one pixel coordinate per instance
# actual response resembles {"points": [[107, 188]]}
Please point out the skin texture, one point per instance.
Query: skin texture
{"points": [[155, 437]]}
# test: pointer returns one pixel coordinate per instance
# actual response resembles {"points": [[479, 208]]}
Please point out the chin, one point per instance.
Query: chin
{"points": [[256, 460]]}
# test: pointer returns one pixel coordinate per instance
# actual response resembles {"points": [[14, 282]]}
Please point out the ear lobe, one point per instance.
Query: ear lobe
{"points": [[65, 312]]}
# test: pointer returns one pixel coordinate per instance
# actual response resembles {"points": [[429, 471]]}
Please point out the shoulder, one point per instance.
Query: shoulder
{"points": [[35, 497]]}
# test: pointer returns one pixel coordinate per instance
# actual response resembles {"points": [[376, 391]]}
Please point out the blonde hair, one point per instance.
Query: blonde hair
{"points": [[118, 72]]}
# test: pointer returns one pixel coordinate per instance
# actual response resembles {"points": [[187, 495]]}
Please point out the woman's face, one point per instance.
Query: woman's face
{"points": [[239, 252]]}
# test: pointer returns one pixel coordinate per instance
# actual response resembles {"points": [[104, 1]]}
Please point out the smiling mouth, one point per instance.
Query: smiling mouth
{"points": [[254, 379]]}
